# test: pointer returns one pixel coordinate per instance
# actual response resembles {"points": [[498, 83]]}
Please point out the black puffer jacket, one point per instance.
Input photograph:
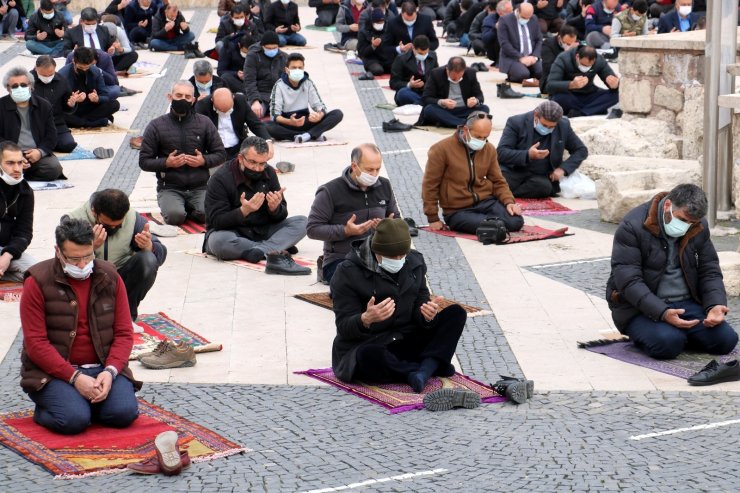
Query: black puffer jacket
{"points": [[355, 281], [261, 73], [16, 225], [639, 259]]}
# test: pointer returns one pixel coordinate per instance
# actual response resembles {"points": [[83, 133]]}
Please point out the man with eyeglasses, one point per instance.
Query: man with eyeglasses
{"points": [[77, 338], [122, 237], [463, 178], [451, 93], [16, 214], [27, 120], [247, 215], [531, 151], [181, 147]]}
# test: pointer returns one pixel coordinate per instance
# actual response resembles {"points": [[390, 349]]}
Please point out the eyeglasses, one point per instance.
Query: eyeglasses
{"points": [[16, 86], [77, 260], [480, 115]]}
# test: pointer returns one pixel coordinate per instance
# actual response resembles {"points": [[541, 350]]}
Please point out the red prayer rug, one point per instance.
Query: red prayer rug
{"points": [[527, 233], [101, 450], [543, 207], [189, 227], [260, 266], [158, 327], [10, 291], [399, 398]]}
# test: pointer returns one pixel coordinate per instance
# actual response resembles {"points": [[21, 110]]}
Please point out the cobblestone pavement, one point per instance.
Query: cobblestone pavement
{"points": [[317, 438]]}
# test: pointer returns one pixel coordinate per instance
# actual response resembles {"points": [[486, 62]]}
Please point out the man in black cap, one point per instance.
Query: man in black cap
{"points": [[531, 150], [389, 328], [263, 66]]}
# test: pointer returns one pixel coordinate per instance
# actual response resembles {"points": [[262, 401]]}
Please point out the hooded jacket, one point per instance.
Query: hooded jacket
{"points": [[286, 100]]}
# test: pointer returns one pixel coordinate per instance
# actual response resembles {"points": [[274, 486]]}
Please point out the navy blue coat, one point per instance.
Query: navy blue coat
{"points": [[669, 21]]}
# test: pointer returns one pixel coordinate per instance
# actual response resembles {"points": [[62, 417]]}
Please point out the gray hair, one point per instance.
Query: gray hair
{"points": [[184, 83], [357, 152], [202, 67], [18, 72], [500, 6], [78, 231], [253, 142], [689, 198]]}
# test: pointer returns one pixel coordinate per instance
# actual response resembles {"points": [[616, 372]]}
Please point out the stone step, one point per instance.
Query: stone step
{"points": [[730, 264], [729, 101], [596, 165]]}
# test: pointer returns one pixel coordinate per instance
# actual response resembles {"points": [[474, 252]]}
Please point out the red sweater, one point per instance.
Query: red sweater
{"points": [[43, 354]]}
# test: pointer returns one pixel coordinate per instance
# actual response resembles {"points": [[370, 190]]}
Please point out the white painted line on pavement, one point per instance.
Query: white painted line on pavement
{"points": [[576, 262], [369, 482], [707, 426]]}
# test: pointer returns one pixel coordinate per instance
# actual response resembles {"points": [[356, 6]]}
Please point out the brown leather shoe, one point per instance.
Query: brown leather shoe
{"points": [[151, 465], [135, 142], [531, 83], [168, 454]]}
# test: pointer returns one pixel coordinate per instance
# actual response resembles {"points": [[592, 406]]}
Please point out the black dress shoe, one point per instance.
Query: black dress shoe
{"points": [[413, 230], [716, 372], [614, 113], [292, 250], [283, 264], [366, 76], [395, 126], [504, 91]]}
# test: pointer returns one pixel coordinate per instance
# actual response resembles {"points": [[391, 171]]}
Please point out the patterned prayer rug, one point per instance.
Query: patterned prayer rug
{"points": [[543, 207], [313, 27], [527, 233], [687, 363], [110, 129], [260, 266], [323, 300], [399, 398], [41, 186], [158, 327], [189, 227], [100, 450], [10, 291], [77, 154], [313, 143]]}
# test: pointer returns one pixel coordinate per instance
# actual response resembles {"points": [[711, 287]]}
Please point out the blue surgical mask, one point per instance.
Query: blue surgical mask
{"points": [[20, 94], [392, 265], [204, 87], [676, 228], [541, 129], [271, 53], [475, 144], [421, 58], [523, 22], [296, 74]]}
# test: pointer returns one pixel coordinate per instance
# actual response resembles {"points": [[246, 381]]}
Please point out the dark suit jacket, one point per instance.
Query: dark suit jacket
{"points": [[438, 86], [397, 32], [550, 51], [75, 37], [241, 118], [519, 135], [511, 43], [41, 118], [404, 66], [669, 21], [94, 81]]}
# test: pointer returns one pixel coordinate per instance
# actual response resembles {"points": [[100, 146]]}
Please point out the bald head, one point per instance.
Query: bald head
{"points": [[526, 10], [223, 100]]}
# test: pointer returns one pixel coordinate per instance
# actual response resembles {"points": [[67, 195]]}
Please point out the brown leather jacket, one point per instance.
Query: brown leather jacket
{"points": [[60, 306]]}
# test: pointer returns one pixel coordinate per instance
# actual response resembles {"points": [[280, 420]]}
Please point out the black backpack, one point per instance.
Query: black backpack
{"points": [[492, 230]]}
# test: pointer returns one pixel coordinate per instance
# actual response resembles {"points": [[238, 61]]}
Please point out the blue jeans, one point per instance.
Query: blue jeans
{"points": [[9, 23], [329, 269], [293, 39], [61, 409], [661, 340], [175, 44], [53, 48], [465, 40], [406, 95]]}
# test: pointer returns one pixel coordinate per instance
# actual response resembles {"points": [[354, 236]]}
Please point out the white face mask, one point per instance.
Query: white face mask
{"points": [[635, 17], [89, 28], [583, 68], [295, 74], [9, 179], [366, 179], [409, 23], [48, 16], [78, 273], [378, 26], [243, 54], [392, 265], [453, 81], [684, 10], [238, 22], [45, 79]]}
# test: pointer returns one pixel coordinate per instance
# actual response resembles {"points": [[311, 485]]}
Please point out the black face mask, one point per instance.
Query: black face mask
{"points": [[253, 175], [181, 106]]}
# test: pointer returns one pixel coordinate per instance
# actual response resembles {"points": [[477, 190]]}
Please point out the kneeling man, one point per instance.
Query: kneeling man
{"points": [[85, 378], [665, 290], [388, 328]]}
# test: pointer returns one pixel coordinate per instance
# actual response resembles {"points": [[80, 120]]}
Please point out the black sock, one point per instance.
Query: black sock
{"points": [[418, 379]]}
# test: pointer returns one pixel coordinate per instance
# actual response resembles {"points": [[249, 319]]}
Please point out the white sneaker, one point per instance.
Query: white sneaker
{"points": [[137, 329]]}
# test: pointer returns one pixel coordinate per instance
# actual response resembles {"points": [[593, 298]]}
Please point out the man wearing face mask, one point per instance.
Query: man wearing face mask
{"points": [[389, 327], [349, 207], [451, 93], [410, 71], [665, 290], [281, 16], [45, 32], [137, 20], [181, 147], [121, 236], [16, 214], [56, 91], [170, 32], [463, 178], [297, 111], [520, 39], [263, 66], [567, 39], [27, 120], [231, 115], [402, 29], [247, 215], [231, 61], [91, 34], [235, 24], [531, 151], [77, 338], [598, 20], [348, 22], [203, 80], [370, 45], [632, 21], [681, 19], [571, 83]]}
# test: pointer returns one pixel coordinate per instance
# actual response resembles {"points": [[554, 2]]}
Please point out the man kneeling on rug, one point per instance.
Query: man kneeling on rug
{"points": [[665, 290], [388, 328], [77, 337]]}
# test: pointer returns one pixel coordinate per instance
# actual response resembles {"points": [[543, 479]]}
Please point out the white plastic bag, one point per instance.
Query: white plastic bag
{"points": [[577, 185]]}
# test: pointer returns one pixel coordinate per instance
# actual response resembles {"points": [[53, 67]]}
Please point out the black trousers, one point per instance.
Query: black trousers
{"points": [[377, 363], [65, 141], [92, 115], [282, 132], [526, 185], [233, 82], [138, 274], [124, 61]]}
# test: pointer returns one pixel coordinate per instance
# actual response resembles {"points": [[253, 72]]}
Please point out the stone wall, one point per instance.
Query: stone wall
{"points": [[668, 86]]}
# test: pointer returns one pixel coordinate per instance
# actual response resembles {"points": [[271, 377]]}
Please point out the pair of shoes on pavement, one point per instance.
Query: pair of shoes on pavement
{"points": [[532, 82], [447, 399], [279, 263], [413, 230], [103, 152], [517, 390], [504, 91], [716, 372], [480, 67], [395, 126], [366, 76], [169, 354], [168, 459]]}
